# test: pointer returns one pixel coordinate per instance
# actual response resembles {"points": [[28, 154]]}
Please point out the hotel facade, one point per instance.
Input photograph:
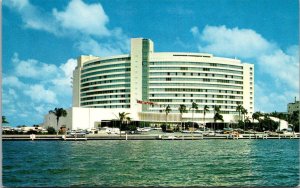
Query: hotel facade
{"points": [[144, 82]]}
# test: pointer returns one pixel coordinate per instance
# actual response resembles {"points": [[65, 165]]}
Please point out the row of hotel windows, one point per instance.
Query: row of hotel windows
{"points": [[197, 111], [127, 79], [105, 92], [193, 90], [194, 74], [106, 66], [105, 86], [196, 63], [106, 97], [105, 102], [106, 61], [127, 75], [195, 85], [111, 106], [196, 79], [193, 100], [194, 69], [163, 85], [198, 95], [127, 70], [155, 74], [105, 82]]}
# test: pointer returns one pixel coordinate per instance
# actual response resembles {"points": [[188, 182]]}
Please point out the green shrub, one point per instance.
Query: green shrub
{"points": [[51, 130]]}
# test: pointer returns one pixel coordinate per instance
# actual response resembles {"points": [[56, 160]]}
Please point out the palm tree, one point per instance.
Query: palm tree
{"points": [[256, 116], [194, 107], [123, 117], [167, 110], [58, 112], [239, 109], [182, 109], [205, 109], [217, 115], [247, 120], [244, 112], [4, 120]]}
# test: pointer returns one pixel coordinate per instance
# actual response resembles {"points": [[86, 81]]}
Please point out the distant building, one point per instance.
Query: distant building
{"points": [[144, 82], [292, 107]]}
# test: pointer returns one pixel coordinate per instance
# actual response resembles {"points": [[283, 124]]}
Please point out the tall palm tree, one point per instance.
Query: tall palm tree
{"points": [[123, 117], [4, 120], [244, 112], [58, 112], [239, 109], [167, 110], [205, 109], [182, 109], [217, 115], [256, 116], [194, 107]]}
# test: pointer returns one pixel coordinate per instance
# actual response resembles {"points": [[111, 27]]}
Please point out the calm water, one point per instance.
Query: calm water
{"points": [[156, 163]]}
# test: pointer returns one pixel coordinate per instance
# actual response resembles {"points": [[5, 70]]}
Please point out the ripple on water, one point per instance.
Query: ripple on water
{"points": [[146, 163]]}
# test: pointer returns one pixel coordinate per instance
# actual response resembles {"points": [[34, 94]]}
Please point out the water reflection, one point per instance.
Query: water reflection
{"points": [[159, 163]]}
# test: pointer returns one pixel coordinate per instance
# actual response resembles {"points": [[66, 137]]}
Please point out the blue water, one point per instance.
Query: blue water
{"points": [[151, 163]]}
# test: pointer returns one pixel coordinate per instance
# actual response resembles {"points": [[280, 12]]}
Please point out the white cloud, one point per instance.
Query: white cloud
{"points": [[268, 100], [80, 22], [68, 67], [12, 81], [62, 85], [92, 47], [281, 65], [32, 68], [38, 94], [32, 16], [13, 93], [245, 43], [88, 19]]}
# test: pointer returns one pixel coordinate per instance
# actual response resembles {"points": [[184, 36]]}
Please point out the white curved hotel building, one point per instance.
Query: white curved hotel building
{"points": [[104, 86]]}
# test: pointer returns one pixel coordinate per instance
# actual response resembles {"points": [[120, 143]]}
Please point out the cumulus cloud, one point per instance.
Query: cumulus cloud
{"points": [[12, 81], [32, 68], [268, 100], [281, 65], [89, 19], [91, 46], [32, 16], [86, 24], [245, 43], [38, 94]]}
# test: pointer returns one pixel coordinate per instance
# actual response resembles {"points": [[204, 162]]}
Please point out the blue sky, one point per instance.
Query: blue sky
{"points": [[42, 38]]}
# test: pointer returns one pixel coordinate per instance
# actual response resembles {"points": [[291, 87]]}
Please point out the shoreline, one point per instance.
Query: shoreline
{"points": [[140, 137]]}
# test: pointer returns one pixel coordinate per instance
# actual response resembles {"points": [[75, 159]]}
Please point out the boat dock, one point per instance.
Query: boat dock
{"points": [[33, 137]]}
